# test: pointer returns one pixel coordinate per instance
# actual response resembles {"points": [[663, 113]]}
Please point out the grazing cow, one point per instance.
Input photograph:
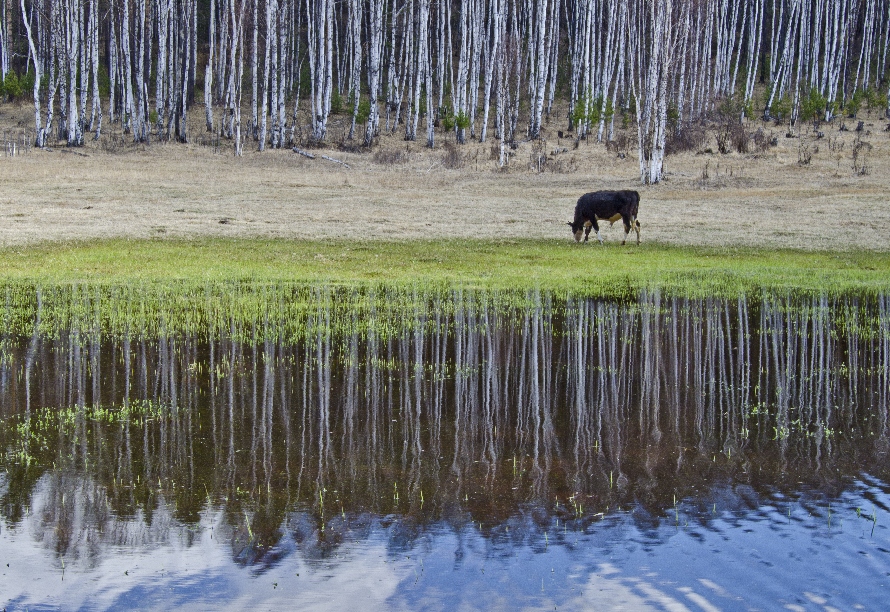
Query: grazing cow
{"points": [[606, 206]]}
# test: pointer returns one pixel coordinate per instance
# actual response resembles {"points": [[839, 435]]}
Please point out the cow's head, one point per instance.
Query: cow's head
{"points": [[577, 230]]}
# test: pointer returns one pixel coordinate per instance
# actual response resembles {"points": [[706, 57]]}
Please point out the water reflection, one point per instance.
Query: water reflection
{"points": [[531, 424]]}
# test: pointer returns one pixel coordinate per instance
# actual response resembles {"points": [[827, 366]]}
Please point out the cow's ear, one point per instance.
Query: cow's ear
{"points": [[571, 225]]}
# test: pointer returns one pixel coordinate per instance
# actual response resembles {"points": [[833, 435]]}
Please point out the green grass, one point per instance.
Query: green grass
{"points": [[558, 266]]}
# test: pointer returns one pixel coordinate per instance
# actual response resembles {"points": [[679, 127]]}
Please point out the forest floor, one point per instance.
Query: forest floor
{"points": [[401, 190]]}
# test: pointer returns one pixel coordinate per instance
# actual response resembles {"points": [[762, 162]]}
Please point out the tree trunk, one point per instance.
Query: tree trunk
{"points": [[375, 51], [40, 138], [208, 70]]}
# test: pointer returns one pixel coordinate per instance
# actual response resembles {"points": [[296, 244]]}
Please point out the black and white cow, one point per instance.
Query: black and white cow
{"points": [[606, 206]]}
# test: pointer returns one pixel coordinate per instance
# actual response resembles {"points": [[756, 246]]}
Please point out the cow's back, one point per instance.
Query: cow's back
{"points": [[609, 202], [632, 201]]}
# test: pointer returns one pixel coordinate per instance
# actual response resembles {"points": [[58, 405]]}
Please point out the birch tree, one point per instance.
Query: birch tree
{"points": [[93, 36], [375, 59], [320, 34], [652, 68], [37, 61], [4, 40], [208, 69], [420, 58], [355, 45]]}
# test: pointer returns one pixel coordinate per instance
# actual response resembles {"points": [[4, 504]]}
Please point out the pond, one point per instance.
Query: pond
{"points": [[442, 450]]}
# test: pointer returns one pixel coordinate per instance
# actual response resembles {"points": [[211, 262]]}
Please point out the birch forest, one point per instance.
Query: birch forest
{"points": [[271, 73]]}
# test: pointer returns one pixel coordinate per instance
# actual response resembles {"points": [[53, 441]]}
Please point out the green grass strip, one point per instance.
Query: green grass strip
{"points": [[558, 266]]}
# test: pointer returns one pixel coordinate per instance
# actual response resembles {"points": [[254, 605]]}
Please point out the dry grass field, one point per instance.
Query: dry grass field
{"points": [[402, 190]]}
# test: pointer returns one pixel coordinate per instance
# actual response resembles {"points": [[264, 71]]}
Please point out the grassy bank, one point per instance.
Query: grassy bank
{"points": [[557, 266]]}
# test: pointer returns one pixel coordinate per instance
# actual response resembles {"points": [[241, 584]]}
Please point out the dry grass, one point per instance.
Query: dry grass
{"points": [[765, 198]]}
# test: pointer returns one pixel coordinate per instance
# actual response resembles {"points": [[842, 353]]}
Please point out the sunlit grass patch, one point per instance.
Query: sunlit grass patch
{"points": [[558, 266]]}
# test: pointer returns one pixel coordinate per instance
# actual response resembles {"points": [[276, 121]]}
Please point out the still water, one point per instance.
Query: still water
{"points": [[653, 453]]}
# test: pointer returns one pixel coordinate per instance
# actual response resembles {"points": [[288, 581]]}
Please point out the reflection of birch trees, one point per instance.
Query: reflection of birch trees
{"points": [[464, 401], [441, 62]]}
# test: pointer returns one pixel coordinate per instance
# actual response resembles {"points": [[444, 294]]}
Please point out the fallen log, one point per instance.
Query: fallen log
{"points": [[334, 160], [304, 153]]}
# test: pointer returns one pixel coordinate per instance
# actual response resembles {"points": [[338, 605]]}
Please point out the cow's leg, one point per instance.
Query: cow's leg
{"points": [[636, 226], [627, 224], [596, 228], [587, 226]]}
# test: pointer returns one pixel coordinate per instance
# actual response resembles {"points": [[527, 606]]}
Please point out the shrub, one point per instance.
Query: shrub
{"points": [[854, 104], [875, 99], [724, 133], [739, 138], [690, 138], [762, 140], [446, 117], [12, 87], [578, 113], [336, 103], [27, 84], [462, 120], [364, 111], [812, 107], [781, 107], [620, 145], [731, 107], [452, 159], [390, 157], [591, 111], [860, 153]]}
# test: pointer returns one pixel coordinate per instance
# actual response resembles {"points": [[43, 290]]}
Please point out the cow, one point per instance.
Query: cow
{"points": [[606, 206]]}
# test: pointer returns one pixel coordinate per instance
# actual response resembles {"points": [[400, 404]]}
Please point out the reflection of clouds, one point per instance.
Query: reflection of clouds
{"points": [[608, 588], [760, 562], [171, 566]]}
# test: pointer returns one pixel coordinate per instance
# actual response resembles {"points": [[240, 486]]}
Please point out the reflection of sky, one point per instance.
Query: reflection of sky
{"points": [[685, 561]]}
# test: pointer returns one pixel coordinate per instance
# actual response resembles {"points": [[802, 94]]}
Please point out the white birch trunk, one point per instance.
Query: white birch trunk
{"points": [[72, 46], [501, 84], [208, 70], [237, 75], [233, 86], [320, 58], [539, 66], [40, 135], [755, 30], [278, 79], [267, 67], [375, 51], [254, 61], [96, 113], [113, 64], [476, 31], [459, 93], [4, 40], [355, 33], [139, 118], [164, 8], [652, 70], [494, 59]]}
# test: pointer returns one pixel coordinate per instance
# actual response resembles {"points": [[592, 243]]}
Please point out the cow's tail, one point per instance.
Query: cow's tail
{"points": [[634, 223]]}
